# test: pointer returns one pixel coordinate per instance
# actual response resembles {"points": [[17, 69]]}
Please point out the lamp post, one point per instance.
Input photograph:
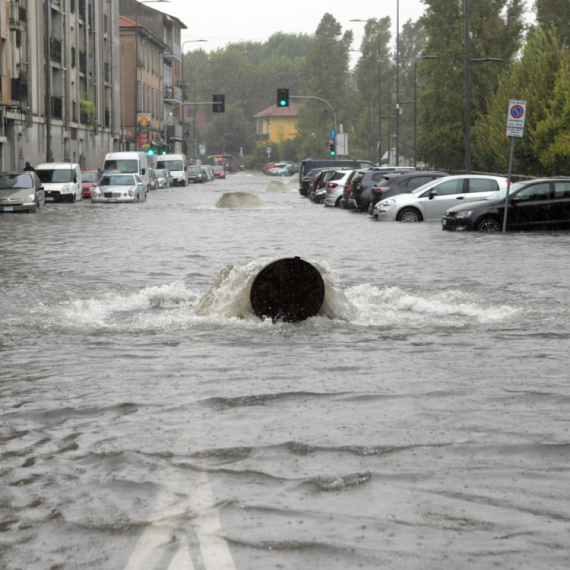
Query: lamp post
{"points": [[379, 96], [416, 103], [397, 83], [137, 64], [194, 94]]}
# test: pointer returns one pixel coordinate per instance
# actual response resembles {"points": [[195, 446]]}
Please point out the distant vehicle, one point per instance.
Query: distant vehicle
{"points": [[89, 178], [219, 172], [268, 166], [400, 183], [278, 168], [118, 188], [430, 201], [176, 164], [152, 179], [61, 181], [129, 162], [21, 192], [309, 164], [540, 204], [162, 177], [194, 174], [294, 168]]}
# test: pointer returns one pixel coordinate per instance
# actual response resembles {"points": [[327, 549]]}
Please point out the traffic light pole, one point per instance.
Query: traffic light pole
{"points": [[326, 103], [175, 108]]}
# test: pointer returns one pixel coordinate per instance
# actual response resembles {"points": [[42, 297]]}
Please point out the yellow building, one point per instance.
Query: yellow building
{"points": [[276, 124]]}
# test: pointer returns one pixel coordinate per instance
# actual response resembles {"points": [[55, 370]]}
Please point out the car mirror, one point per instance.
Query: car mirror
{"points": [[75, 179], [432, 193], [41, 188], [143, 171]]}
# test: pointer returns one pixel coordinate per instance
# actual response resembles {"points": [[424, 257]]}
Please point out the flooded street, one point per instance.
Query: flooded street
{"points": [[150, 421]]}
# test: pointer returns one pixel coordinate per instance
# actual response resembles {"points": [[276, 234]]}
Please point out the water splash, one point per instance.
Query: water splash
{"points": [[276, 186], [239, 201]]}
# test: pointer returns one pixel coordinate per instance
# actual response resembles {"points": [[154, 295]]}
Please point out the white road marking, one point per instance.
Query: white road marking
{"points": [[182, 560]]}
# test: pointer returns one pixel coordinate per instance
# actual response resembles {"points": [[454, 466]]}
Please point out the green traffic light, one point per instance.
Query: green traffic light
{"points": [[282, 103], [150, 152]]}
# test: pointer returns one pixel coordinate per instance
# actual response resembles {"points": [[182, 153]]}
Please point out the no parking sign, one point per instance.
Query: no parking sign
{"points": [[516, 118]]}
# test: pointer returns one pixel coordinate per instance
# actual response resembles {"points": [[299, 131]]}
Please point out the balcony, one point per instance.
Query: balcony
{"points": [[55, 50], [175, 53], [57, 107], [19, 89], [172, 94]]}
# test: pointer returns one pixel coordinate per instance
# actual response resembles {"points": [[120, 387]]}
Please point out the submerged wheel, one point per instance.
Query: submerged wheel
{"points": [[409, 215], [337, 203], [488, 225]]}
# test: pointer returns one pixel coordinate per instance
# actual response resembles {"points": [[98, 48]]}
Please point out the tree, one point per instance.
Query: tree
{"points": [[496, 28], [554, 13], [540, 78], [325, 75]]}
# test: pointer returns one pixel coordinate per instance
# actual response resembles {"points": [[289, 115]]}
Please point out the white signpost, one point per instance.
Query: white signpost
{"points": [[342, 144], [516, 117]]}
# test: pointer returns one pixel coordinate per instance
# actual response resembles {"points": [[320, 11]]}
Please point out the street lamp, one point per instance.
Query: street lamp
{"points": [[184, 94], [379, 96], [416, 102], [397, 83], [137, 64], [468, 62]]}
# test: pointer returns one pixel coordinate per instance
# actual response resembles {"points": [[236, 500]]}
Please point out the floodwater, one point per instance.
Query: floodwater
{"points": [[150, 421]]}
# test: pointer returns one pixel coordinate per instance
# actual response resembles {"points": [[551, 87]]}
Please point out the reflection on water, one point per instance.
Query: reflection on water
{"points": [[151, 421]]}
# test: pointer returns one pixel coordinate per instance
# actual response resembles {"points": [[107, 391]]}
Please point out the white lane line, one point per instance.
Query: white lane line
{"points": [[150, 547], [182, 559]]}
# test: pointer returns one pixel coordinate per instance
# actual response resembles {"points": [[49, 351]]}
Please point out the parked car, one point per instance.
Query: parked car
{"points": [[268, 166], [176, 165], [205, 173], [364, 181], [542, 204], [115, 188], [294, 168], [276, 169], [432, 200], [162, 178], [219, 172], [89, 178], [336, 185], [194, 175], [152, 179], [61, 181], [21, 192], [318, 187], [401, 183]]}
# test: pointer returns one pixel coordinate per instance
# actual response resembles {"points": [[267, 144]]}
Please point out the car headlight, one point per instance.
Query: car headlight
{"points": [[30, 199], [464, 214], [386, 203], [66, 188]]}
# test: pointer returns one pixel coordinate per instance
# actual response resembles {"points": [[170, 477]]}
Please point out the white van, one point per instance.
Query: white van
{"points": [[176, 164], [131, 162], [61, 181]]}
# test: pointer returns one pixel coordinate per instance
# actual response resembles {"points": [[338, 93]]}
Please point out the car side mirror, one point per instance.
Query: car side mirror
{"points": [[432, 194], [41, 188], [75, 179], [143, 171], [185, 168]]}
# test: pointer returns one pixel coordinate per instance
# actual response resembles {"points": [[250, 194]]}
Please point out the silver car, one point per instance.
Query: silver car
{"points": [[21, 192], [118, 188], [162, 178], [432, 200], [335, 187]]}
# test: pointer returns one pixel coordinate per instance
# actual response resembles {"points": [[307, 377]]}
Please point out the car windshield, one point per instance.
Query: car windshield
{"points": [[218, 169], [159, 173], [170, 164], [502, 194], [55, 175], [12, 181], [122, 165], [89, 176], [117, 181], [194, 170]]}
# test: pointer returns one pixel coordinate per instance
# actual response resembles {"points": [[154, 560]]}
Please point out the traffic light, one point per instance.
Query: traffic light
{"points": [[219, 103], [150, 151], [332, 149], [283, 97], [128, 145]]}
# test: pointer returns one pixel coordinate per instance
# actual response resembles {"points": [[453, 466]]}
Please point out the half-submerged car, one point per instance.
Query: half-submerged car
{"points": [[116, 188], [89, 178], [21, 192], [219, 172], [541, 204]]}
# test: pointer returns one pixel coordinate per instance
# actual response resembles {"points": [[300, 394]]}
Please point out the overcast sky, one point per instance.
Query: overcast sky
{"points": [[228, 21]]}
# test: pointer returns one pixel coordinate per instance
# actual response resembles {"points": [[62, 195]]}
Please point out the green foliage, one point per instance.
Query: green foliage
{"points": [[496, 28], [541, 77], [554, 13]]}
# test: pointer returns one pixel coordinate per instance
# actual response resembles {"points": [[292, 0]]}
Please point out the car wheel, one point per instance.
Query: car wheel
{"points": [[409, 215], [337, 203], [489, 225]]}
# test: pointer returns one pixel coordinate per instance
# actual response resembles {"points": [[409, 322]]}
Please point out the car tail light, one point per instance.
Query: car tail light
{"points": [[333, 185], [383, 189]]}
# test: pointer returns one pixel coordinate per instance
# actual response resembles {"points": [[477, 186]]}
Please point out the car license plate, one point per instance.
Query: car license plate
{"points": [[8, 209], [49, 199]]}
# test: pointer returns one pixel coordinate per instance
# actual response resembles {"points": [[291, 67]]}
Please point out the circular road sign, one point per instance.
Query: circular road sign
{"points": [[517, 112], [332, 134]]}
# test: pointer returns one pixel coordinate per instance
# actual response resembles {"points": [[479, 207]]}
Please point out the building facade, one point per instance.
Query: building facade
{"points": [[276, 124]]}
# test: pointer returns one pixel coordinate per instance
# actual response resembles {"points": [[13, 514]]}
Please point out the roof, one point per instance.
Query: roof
{"points": [[275, 111], [126, 23]]}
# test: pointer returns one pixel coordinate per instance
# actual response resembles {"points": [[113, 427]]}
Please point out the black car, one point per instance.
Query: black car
{"points": [[401, 183], [542, 204], [195, 175], [357, 195], [307, 179], [309, 165]]}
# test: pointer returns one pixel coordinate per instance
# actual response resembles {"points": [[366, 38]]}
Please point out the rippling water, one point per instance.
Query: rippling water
{"points": [[150, 421]]}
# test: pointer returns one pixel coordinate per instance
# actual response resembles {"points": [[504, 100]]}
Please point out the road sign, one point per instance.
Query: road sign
{"points": [[332, 134], [517, 114], [512, 132]]}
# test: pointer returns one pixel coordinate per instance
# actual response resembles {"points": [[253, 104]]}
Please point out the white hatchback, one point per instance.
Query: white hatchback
{"points": [[335, 187], [432, 200]]}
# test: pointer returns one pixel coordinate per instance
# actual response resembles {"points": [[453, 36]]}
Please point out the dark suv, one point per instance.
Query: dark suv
{"points": [[357, 195], [394, 184]]}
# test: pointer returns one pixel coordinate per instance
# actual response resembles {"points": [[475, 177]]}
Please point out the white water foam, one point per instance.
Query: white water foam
{"points": [[278, 186], [175, 306], [240, 201]]}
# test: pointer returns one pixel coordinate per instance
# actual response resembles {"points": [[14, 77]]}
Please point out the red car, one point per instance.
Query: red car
{"points": [[219, 171], [89, 179], [268, 166]]}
